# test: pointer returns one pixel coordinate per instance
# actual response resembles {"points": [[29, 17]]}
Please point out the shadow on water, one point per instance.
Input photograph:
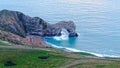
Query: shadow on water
{"points": [[72, 40]]}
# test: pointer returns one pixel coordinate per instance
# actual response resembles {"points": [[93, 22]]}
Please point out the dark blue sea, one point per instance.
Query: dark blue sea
{"points": [[97, 22]]}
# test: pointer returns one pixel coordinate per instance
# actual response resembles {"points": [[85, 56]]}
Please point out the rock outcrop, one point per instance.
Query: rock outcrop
{"points": [[55, 29], [28, 40], [69, 26], [18, 23], [32, 28]]}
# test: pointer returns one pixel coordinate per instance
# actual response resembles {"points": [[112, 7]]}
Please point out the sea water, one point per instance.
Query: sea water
{"points": [[97, 22]]}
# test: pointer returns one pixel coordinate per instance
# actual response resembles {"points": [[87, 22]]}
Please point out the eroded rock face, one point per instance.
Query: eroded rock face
{"points": [[55, 29], [69, 26], [18, 23], [52, 30], [28, 40], [31, 28]]}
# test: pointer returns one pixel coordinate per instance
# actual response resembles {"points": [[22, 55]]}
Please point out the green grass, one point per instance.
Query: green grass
{"points": [[2, 44], [29, 59], [99, 65], [83, 54]]}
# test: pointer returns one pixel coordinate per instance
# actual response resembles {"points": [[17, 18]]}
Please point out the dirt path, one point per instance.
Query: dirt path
{"points": [[85, 61], [24, 47]]}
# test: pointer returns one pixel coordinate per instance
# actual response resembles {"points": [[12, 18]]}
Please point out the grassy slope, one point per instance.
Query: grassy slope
{"points": [[28, 58], [2, 44]]}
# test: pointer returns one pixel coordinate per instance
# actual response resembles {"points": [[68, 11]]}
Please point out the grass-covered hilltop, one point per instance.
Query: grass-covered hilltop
{"points": [[18, 56], [22, 45]]}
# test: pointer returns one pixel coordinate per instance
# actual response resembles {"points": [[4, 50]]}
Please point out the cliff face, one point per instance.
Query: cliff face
{"points": [[69, 26], [32, 28], [18, 23], [55, 29], [28, 40], [9, 21]]}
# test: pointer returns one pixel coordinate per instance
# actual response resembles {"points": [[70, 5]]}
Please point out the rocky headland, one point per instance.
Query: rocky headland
{"points": [[19, 28]]}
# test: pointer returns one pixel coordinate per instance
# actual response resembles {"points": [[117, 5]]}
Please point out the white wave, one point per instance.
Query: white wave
{"points": [[78, 34], [96, 54], [111, 56], [73, 50], [76, 50], [64, 36]]}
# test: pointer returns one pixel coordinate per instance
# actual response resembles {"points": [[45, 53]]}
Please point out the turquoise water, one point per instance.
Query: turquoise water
{"points": [[97, 21]]}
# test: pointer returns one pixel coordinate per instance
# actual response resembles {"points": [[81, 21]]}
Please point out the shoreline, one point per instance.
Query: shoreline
{"points": [[80, 51], [66, 49]]}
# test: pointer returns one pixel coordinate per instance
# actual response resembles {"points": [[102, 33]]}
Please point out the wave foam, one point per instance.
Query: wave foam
{"points": [[76, 50], [64, 36]]}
